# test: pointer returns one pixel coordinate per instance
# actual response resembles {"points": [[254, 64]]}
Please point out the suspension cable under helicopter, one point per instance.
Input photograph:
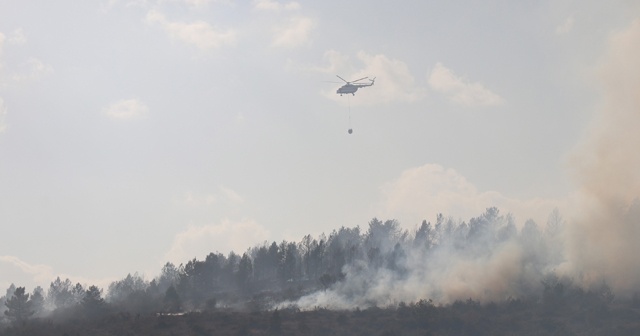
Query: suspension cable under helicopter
{"points": [[349, 106]]}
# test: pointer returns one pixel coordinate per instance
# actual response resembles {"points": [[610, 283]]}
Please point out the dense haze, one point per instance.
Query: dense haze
{"points": [[209, 125], [598, 244], [157, 190], [603, 238], [486, 259]]}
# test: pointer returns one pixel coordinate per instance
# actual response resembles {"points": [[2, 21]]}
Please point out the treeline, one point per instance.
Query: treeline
{"points": [[271, 273], [451, 277]]}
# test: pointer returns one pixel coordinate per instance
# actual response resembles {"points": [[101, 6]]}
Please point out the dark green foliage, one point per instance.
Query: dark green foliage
{"points": [[327, 280], [37, 301], [93, 305], [19, 309], [59, 294], [172, 302], [245, 271]]}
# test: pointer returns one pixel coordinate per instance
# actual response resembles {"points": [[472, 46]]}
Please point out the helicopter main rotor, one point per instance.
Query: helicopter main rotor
{"points": [[357, 80]]}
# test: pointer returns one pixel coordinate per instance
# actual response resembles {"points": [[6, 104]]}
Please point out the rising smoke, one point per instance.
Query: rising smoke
{"points": [[603, 240], [488, 259]]}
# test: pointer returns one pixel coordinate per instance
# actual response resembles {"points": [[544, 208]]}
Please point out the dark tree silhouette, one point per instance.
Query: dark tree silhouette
{"points": [[37, 300], [18, 306], [59, 295], [172, 302], [424, 236], [93, 305], [245, 271], [77, 293]]}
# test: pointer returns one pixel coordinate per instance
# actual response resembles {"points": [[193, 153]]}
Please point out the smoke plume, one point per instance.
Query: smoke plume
{"points": [[489, 258], [603, 239]]}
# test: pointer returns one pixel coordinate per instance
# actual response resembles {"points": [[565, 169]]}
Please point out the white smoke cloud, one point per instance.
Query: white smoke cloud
{"points": [[30, 275], [17, 37], [198, 241], [225, 194], [2, 42], [28, 69], [199, 33], [270, 5], [231, 195], [192, 199], [460, 90], [394, 81], [110, 4], [486, 260], [337, 63], [3, 114], [604, 235], [420, 193], [197, 3], [32, 69], [467, 256], [127, 109], [598, 244], [12, 267], [295, 32], [2, 39], [566, 26]]}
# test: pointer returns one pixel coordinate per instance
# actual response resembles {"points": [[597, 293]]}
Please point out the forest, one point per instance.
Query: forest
{"points": [[482, 276]]}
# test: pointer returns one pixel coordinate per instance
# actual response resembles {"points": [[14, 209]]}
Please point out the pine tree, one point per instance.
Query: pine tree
{"points": [[172, 302], [37, 301], [92, 303], [18, 306]]}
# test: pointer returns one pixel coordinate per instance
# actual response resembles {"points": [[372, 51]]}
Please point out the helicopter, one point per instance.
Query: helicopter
{"points": [[353, 86]]}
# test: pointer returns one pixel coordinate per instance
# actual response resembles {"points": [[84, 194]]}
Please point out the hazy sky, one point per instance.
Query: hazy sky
{"points": [[138, 132]]}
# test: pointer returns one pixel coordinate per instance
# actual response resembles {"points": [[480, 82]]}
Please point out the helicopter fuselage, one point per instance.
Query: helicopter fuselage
{"points": [[351, 88], [348, 88]]}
